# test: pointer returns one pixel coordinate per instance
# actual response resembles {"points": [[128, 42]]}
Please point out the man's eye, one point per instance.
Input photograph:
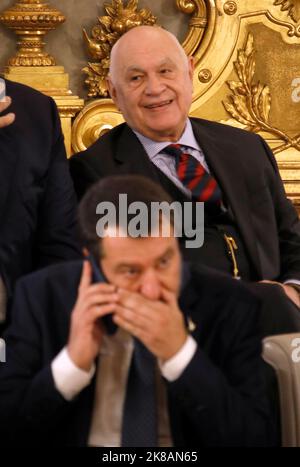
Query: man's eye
{"points": [[164, 71], [130, 272], [164, 262], [135, 78]]}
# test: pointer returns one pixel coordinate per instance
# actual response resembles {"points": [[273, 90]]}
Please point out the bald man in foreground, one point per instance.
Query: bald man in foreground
{"points": [[251, 228]]}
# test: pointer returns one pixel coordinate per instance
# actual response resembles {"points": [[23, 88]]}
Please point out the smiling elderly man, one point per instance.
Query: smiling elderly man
{"points": [[134, 347], [252, 229]]}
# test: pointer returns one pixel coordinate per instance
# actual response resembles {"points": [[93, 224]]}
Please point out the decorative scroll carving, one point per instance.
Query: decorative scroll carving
{"points": [[204, 75], [291, 6], [198, 23], [119, 19], [31, 20], [250, 103], [230, 8]]}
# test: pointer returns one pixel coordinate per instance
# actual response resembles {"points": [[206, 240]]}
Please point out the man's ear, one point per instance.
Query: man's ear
{"points": [[112, 90], [191, 65]]}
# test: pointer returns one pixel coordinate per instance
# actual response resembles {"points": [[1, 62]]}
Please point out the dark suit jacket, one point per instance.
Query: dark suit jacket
{"points": [[247, 173], [218, 400], [37, 205]]}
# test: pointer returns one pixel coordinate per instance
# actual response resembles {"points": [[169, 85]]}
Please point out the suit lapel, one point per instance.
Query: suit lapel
{"points": [[221, 156], [133, 158]]}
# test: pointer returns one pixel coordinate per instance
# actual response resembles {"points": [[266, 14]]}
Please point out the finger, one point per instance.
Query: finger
{"points": [[96, 300], [272, 283], [7, 120], [134, 318], [122, 323], [141, 306], [4, 104], [86, 277], [99, 288], [95, 313], [135, 301], [169, 297], [98, 312]]}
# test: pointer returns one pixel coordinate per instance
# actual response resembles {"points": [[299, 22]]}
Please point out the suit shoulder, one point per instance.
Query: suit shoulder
{"points": [[225, 287], [106, 142], [63, 276], [222, 304], [227, 130], [21, 91]]}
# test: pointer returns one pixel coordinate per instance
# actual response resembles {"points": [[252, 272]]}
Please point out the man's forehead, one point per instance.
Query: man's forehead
{"points": [[132, 67], [127, 249]]}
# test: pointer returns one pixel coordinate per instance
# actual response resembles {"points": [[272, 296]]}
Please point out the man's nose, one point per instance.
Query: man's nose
{"points": [[154, 85], [150, 286]]}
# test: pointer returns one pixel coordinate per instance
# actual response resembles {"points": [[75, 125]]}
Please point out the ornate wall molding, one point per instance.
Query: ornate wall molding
{"points": [[250, 102], [197, 9], [31, 20], [292, 7]]}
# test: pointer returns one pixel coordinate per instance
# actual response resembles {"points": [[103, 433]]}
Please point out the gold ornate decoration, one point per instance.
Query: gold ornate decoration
{"points": [[291, 6], [250, 103], [198, 23], [204, 75], [230, 8], [31, 20], [119, 19], [97, 117]]}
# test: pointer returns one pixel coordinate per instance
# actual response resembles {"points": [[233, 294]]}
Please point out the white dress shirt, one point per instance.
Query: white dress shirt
{"points": [[112, 371]]}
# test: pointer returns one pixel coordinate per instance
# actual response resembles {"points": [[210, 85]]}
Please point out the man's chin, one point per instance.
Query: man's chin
{"points": [[161, 132]]}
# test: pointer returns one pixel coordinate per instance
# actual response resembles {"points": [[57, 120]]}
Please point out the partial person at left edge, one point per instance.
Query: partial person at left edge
{"points": [[37, 201]]}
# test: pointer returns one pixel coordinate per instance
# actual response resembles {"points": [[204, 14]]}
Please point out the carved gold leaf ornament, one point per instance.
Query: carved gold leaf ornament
{"points": [[31, 20], [120, 18], [250, 103], [292, 7]]}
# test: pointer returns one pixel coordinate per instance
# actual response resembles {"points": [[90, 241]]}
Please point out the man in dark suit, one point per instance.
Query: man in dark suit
{"points": [[252, 230], [37, 205], [186, 347]]}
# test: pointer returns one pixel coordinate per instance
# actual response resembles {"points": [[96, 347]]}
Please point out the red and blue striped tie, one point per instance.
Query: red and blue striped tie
{"points": [[193, 176]]}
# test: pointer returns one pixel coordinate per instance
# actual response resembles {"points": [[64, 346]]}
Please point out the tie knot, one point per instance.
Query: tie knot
{"points": [[174, 150]]}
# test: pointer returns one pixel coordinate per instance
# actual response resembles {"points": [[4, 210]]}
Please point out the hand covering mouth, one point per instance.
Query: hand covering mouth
{"points": [[158, 104]]}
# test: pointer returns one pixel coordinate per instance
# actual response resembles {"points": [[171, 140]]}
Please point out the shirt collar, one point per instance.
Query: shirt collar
{"points": [[153, 148]]}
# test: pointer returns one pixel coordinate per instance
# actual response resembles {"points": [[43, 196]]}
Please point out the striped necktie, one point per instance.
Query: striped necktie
{"points": [[193, 176]]}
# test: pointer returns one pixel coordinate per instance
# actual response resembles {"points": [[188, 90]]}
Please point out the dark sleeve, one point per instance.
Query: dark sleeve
{"points": [[30, 405], [83, 174], [56, 238], [288, 225], [225, 403]]}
